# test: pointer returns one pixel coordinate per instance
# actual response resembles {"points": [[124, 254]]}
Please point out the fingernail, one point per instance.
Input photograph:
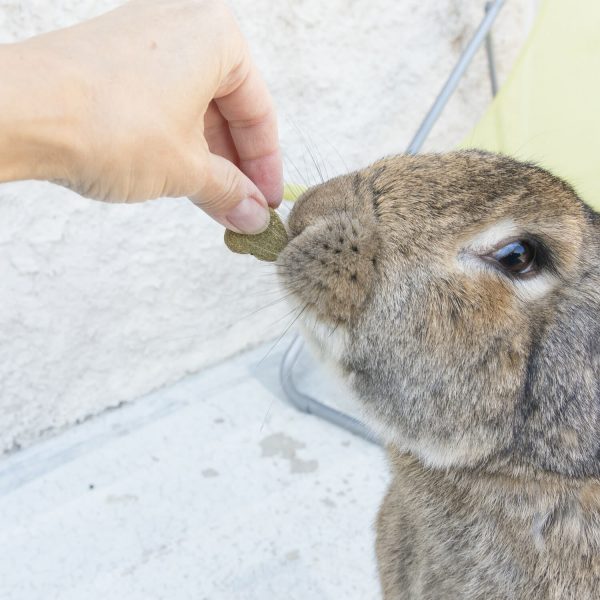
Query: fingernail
{"points": [[249, 217]]}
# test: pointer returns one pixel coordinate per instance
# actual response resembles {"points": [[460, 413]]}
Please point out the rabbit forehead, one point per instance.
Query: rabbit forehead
{"points": [[442, 196]]}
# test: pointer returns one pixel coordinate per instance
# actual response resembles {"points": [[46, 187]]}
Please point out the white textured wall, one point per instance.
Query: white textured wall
{"points": [[102, 303]]}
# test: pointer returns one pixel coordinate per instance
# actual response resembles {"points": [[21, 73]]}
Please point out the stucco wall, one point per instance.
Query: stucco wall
{"points": [[101, 304]]}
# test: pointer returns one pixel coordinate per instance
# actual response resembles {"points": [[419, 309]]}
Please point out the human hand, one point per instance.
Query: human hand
{"points": [[163, 100]]}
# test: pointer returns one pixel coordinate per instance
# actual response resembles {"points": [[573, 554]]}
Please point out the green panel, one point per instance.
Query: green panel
{"points": [[548, 111]]}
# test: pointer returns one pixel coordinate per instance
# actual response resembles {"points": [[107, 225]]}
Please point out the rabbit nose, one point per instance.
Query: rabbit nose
{"points": [[331, 265]]}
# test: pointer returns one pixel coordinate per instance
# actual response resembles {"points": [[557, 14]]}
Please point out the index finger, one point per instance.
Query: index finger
{"points": [[250, 114]]}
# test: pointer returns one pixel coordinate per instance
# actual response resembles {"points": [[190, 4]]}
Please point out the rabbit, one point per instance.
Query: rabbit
{"points": [[459, 295]]}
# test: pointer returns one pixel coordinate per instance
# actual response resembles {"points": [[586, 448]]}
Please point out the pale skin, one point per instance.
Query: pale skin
{"points": [[156, 98]]}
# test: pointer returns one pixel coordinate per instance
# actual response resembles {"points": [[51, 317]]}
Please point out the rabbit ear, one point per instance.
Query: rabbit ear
{"points": [[559, 425]]}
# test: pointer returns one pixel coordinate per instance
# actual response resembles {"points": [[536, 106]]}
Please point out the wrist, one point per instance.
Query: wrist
{"points": [[39, 109]]}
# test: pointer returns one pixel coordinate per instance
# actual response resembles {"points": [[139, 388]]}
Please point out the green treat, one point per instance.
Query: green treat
{"points": [[264, 246]]}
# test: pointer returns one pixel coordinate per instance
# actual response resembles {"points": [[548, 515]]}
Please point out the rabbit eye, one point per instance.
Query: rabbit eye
{"points": [[516, 258]]}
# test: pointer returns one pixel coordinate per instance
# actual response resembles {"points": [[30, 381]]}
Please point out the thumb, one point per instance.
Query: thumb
{"points": [[229, 197]]}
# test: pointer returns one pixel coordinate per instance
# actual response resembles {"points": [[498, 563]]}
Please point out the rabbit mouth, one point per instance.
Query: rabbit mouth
{"points": [[330, 340]]}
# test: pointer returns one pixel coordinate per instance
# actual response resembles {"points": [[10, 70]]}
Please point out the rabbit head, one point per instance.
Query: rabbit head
{"points": [[460, 295]]}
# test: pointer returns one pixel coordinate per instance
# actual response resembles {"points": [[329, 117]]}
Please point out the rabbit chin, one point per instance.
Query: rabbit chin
{"points": [[328, 341], [460, 453], [330, 344]]}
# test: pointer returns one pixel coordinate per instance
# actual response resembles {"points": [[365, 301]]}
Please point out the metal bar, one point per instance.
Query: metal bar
{"points": [[309, 405], [491, 61], [455, 76]]}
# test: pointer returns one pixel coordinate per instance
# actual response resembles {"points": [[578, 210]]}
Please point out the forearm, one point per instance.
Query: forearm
{"points": [[37, 113]]}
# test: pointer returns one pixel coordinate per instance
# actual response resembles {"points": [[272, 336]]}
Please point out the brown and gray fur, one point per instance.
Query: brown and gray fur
{"points": [[485, 387]]}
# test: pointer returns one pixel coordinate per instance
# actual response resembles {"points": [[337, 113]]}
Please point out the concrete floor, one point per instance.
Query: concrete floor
{"points": [[213, 489]]}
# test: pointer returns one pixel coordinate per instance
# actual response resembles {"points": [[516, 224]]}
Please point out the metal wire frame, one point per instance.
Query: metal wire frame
{"points": [[299, 399]]}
